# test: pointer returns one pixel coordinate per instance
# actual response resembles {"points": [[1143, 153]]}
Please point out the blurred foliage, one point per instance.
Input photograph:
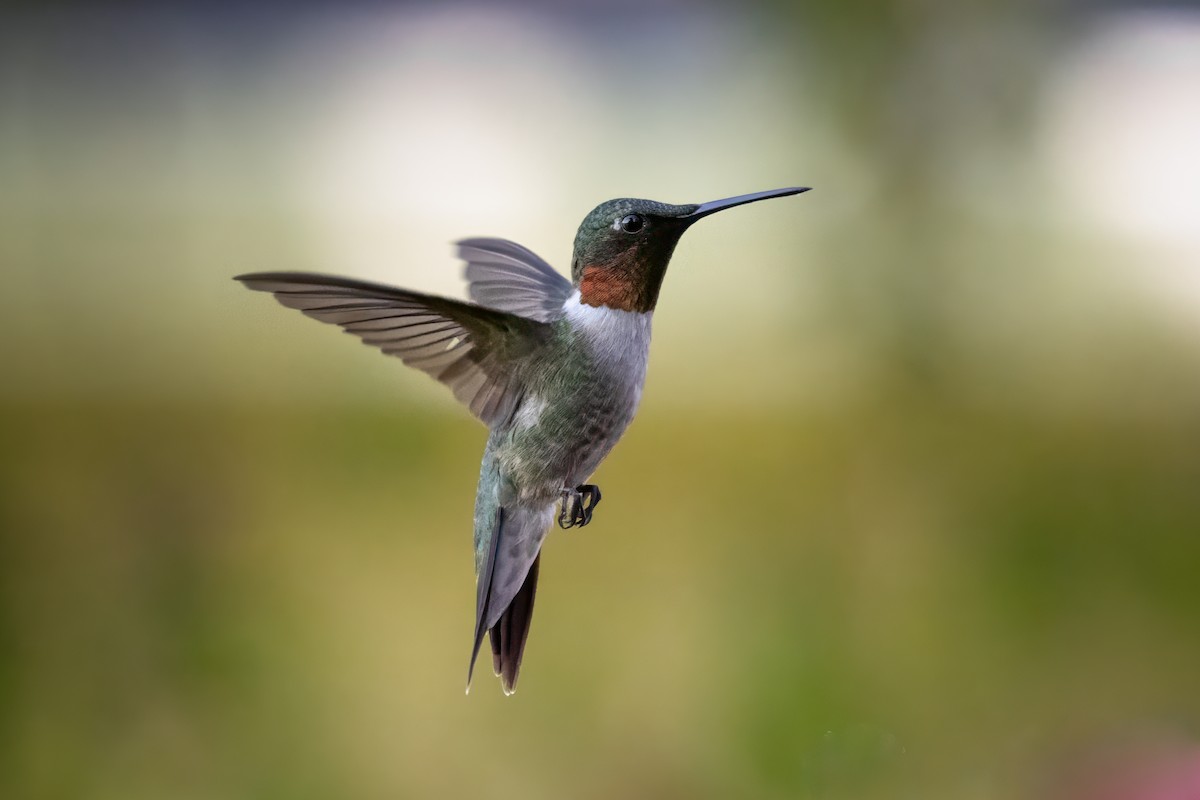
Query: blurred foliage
{"points": [[915, 597]]}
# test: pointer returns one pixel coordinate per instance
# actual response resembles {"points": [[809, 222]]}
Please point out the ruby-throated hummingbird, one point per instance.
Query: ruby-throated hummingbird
{"points": [[553, 367]]}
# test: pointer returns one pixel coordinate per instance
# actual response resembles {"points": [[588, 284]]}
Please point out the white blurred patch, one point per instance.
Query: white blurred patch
{"points": [[421, 135], [530, 412], [1122, 138]]}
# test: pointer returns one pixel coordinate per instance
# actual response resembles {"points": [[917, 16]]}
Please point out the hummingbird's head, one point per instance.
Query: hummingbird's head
{"points": [[623, 247]]}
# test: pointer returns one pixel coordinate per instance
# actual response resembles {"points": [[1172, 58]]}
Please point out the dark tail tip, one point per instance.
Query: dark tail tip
{"points": [[496, 665], [512, 629]]}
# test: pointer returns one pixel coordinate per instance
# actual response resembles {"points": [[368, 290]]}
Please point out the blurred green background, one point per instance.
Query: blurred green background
{"points": [[912, 505]]}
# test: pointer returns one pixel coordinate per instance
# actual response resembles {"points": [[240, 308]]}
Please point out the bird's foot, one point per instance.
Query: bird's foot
{"points": [[577, 505]]}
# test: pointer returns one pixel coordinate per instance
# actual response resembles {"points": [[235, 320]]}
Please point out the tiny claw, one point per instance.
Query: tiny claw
{"points": [[569, 513], [590, 498], [577, 505]]}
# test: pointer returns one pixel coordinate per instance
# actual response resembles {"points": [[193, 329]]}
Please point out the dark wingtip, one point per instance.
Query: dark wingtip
{"points": [[264, 281]]}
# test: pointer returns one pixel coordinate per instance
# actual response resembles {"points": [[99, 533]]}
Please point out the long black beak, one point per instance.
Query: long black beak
{"points": [[704, 209]]}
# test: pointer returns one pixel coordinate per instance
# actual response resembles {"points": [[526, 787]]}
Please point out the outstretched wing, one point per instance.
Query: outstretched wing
{"points": [[508, 277], [476, 351]]}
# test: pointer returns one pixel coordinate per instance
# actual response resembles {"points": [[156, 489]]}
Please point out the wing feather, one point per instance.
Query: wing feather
{"points": [[475, 350], [506, 276]]}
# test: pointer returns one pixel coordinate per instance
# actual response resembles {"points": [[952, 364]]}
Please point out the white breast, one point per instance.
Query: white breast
{"points": [[619, 340]]}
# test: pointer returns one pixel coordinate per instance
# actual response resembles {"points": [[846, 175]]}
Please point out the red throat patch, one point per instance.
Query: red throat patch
{"points": [[607, 286]]}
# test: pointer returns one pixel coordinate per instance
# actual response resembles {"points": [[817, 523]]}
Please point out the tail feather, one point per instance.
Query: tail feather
{"points": [[506, 587], [509, 644], [495, 637], [482, 610]]}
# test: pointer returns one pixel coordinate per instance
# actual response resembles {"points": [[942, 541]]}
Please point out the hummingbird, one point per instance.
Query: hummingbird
{"points": [[553, 367]]}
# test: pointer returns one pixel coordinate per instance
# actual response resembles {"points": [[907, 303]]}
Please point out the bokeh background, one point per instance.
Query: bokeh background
{"points": [[912, 508]]}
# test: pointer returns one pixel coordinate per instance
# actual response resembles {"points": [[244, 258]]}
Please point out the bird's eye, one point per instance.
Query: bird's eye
{"points": [[632, 223]]}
